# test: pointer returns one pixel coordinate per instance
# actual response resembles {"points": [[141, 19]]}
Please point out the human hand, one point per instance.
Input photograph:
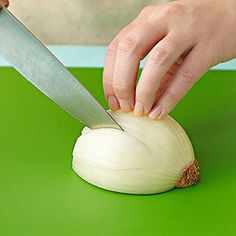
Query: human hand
{"points": [[4, 2], [183, 39]]}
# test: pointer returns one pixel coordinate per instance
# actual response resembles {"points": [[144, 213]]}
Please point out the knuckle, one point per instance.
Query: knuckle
{"points": [[105, 77], [172, 9], [154, 15], [112, 47], [107, 82], [120, 90], [186, 75], [128, 44], [159, 56], [143, 94], [146, 10], [107, 86], [174, 41], [171, 97]]}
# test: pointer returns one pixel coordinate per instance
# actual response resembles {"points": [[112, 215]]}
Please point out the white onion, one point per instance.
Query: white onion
{"points": [[147, 157]]}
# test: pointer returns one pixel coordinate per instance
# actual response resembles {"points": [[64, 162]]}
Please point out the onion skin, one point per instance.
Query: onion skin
{"points": [[148, 157]]}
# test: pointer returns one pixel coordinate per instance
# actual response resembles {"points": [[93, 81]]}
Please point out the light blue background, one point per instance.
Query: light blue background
{"points": [[93, 56]]}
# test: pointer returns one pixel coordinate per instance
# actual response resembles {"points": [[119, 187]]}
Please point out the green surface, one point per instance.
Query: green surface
{"points": [[41, 195]]}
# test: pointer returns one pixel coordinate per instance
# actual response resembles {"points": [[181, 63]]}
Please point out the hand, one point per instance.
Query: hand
{"points": [[4, 2], [183, 39]]}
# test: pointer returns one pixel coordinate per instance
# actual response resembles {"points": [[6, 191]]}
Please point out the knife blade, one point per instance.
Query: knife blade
{"points": [[40, 67]]}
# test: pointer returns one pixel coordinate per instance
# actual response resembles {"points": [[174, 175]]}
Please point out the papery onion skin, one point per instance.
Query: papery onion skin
{"points": [[147, 157]]}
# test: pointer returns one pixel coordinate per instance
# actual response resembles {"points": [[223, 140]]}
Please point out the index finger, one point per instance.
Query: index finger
{"points": [[109, 68]]}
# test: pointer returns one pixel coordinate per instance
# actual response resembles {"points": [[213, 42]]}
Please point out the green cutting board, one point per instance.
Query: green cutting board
{"points": [[41, 195]]}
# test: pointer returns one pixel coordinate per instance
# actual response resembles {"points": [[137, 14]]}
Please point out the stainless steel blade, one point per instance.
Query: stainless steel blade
{"points": [[35, 62]]}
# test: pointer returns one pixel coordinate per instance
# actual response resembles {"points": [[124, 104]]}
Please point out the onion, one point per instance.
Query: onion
{"points": [[147, 157]]}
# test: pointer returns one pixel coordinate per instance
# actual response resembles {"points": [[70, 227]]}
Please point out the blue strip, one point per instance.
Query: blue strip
{"points": [[94, 56]]}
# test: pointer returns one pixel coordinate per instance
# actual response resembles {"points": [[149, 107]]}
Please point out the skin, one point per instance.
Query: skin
{"points": [[183, 39], [4, 2]]}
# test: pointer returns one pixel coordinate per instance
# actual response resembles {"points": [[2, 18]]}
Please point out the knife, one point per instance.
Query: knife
{"points": [[40, 67]]}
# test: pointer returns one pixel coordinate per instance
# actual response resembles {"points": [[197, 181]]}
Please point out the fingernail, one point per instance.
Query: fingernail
{"points": [[155, 113], [125, 106], [113, 103], [139, 109]]}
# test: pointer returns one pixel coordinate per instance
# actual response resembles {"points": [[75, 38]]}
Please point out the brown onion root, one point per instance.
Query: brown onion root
{"points": [[190, 175]]}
